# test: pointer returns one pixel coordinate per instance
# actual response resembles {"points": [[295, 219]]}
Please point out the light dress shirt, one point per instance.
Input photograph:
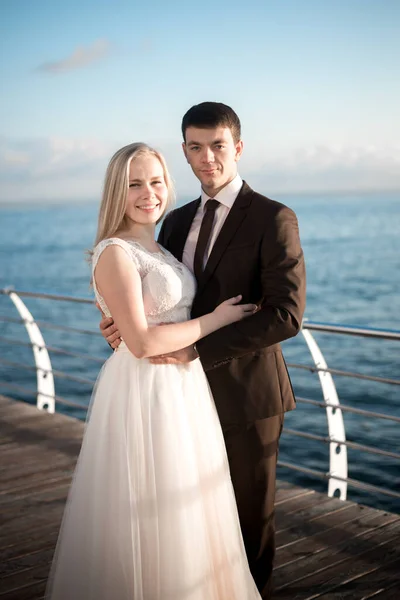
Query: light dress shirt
{"points": [[226, 197]]}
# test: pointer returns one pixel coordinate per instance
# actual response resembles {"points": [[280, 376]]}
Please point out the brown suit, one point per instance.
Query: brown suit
{"points": [[257, 254]]}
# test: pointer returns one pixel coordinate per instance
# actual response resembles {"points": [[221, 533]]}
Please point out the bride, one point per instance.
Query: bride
{"points": [[151, 513]]}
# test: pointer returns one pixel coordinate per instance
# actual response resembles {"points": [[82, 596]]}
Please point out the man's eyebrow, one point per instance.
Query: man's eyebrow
{"points": [[194, 143]]}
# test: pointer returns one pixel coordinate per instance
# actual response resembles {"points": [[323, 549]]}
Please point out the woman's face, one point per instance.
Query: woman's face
{"points": [[148, 192]]}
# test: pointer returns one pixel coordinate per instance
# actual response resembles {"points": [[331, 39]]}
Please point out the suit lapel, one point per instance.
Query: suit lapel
{"points": [[181, 228], [234, 219]]}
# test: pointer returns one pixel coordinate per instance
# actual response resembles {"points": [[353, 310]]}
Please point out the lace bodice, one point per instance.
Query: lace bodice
{"points": [[168, 287]]}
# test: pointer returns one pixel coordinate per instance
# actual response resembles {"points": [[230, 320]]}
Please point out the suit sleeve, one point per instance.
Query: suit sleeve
{"points": [[282, 307]]}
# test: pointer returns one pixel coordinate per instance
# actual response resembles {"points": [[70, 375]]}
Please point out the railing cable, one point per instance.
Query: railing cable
{"points": [[48, 325], [54, 350], [59, 374], [328, 440], [22, 389], [350, 409], [354, 482], [344, 373]]}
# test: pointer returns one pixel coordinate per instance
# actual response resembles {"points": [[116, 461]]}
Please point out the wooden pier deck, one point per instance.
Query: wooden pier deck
{"points": [[326, 548]]}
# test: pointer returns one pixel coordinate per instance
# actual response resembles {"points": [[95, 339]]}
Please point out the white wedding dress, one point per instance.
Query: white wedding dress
{"points": [[151, 513]]}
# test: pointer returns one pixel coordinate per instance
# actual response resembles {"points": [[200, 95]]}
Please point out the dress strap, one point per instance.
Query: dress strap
{"points": [[98, 250]]}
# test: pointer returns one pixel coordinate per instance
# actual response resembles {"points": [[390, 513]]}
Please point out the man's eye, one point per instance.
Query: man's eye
{"points": [[194, 147], [220, 146]]}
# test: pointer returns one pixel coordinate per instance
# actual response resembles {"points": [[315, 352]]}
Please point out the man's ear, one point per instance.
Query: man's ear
{"points": [[239, 150], [184, 150]]}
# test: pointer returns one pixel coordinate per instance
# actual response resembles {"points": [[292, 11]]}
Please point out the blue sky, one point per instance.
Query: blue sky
{"points": [[316, 84]]}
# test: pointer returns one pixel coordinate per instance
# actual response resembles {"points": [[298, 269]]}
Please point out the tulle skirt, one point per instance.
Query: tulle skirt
{"points": [[151, 513]]}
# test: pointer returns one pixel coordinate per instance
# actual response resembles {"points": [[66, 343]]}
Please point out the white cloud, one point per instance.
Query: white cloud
{"points": [[53, 169], [12, 157], [58, 169], [324, 168], [81, 57]]}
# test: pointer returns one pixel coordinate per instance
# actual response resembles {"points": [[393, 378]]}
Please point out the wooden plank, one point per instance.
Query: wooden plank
{"points": [[32, 591], [41, 442], [49, 484], [386, 593], [30, 543], [15, 413], [28, 473], [28, 429], [291, 498], [28, 434], [325, 505], [378, 578], [31, 587], [285, 491], [320, 516], [29, 522], [30, 457], [384, 550], [33, 560], [304, 556], [31, 485], [38, 500], [321, 526], [24, 579], [318, 572], [12, 435], [45, 506], [24, 522], [287, 508], [39, 447]]}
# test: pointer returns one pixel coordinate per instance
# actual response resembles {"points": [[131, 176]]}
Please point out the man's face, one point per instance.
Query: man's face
{"points": [[213, 156]]}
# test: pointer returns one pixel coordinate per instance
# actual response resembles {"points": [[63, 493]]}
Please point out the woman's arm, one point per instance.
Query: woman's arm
{"points": [[119, 283]]}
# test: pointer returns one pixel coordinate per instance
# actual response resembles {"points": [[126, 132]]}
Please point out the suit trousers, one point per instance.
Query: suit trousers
{"points": [[252, 450]]}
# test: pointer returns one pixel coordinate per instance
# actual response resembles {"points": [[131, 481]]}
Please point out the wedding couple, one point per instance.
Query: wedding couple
{"points": [[173, 494]]}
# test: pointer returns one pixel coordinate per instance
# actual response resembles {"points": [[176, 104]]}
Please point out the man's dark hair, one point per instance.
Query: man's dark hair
{"points": [[209, 115]]}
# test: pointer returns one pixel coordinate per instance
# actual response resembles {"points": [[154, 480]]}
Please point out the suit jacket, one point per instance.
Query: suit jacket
{"points": [[257, 254]]}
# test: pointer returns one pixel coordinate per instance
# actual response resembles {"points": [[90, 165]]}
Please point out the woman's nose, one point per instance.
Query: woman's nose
{"points": [[148, 190]]}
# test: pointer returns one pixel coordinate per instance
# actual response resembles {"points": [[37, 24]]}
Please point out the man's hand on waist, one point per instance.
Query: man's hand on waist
{"points": [[109, 330], [179, 357]]}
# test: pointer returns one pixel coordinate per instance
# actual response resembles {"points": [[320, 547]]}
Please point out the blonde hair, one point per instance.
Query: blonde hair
{"points": [[116, 186]]}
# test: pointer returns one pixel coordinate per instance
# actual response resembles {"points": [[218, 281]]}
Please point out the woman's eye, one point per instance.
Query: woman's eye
{"points": [[133, 185], [157, 182]]}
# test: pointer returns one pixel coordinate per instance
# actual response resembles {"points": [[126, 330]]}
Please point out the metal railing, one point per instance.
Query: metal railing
{"points": [[337, 476]]}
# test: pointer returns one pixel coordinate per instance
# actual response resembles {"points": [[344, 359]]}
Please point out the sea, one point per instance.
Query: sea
{"points": [[351, 244]]}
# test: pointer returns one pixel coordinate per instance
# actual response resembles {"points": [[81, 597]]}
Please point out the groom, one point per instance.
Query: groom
{"points": [[237, 241]]}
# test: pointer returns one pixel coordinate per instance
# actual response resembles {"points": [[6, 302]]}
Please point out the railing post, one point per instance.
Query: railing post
{"points": [[45, 381], [336, 429]]}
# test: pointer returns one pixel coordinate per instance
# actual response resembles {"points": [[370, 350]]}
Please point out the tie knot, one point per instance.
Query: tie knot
{"points": [[211, 204]]}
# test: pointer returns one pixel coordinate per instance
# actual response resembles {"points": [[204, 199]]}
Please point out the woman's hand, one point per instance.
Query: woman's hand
{"points": [[231, 311]]}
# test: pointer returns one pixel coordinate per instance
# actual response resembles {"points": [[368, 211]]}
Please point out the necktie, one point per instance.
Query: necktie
{"points": [[204, 236]]}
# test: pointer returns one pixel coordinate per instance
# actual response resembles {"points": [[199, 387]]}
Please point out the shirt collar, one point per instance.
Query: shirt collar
{"points": [[227, 195]]}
